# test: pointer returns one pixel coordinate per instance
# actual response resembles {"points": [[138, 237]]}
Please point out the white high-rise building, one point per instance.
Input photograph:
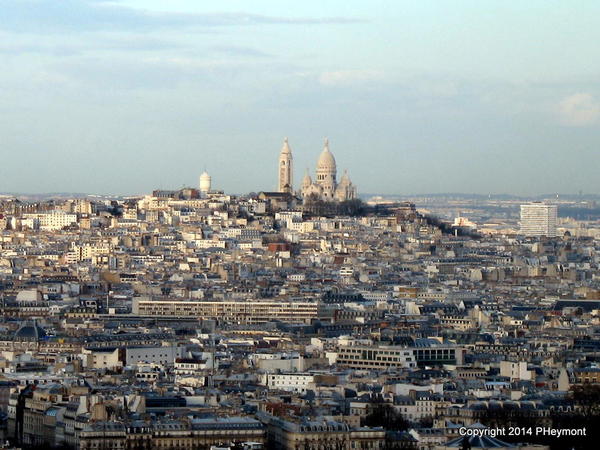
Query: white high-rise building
{"points": [[538, 219]]}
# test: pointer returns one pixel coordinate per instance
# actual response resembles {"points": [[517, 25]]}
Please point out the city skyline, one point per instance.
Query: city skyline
{"points": [[126, 96]]}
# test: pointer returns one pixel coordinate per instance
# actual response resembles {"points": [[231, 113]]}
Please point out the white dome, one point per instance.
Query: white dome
{"points": [[326, 160]]}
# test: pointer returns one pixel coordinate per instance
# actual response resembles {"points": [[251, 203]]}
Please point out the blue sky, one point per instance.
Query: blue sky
{"points": [[415, 96]]}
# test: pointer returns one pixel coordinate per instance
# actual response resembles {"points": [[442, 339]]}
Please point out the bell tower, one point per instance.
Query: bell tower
{"points": [[286, 183]]}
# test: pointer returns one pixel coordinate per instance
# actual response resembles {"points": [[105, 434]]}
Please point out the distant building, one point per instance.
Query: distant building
{"points": [[247, 312], [319, 433], [205, 183], [182, 194], [286, 169], [427, 352], [538, 219], [464, 222], [277, 201], [50, 221], [326, 186], [220, 432]]}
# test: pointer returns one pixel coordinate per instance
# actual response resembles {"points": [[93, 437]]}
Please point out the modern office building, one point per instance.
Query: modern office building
{"points": [[538, 219], [392, 356]]}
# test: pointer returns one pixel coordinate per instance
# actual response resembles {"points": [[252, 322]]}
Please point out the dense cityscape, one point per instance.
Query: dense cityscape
{"points": [[299, 225], [194, 319]]}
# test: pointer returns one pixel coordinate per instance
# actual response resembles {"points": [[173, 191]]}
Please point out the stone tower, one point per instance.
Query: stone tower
{"points": [[286, 182]]}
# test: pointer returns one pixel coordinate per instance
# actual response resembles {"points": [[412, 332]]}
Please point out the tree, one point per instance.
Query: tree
{"points": [[588, 397], [384, 415]]}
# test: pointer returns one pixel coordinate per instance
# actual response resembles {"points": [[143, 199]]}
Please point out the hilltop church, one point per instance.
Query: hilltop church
{"points": [[325, 186]]}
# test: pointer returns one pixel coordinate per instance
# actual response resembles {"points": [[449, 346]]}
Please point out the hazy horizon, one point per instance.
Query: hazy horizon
{"points": [[102, 96], [364, 195]]}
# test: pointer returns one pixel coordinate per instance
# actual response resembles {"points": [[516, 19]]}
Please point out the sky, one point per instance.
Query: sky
{"points": [[427, 96]]}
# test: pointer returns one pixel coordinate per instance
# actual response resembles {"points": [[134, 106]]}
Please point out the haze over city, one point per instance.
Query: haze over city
{"points": [[415, 97]]}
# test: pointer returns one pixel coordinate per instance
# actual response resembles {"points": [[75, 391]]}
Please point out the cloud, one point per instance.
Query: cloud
{"points": [[348, 77], [579, 109], [43, 16], [22, 44], [234, 50]]}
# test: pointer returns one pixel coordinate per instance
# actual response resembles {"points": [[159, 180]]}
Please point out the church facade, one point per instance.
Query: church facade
{"points": [[325, 186]]}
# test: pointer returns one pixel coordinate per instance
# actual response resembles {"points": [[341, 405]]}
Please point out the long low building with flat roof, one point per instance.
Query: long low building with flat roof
{"points": [[245, 312], [396, 356]]}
